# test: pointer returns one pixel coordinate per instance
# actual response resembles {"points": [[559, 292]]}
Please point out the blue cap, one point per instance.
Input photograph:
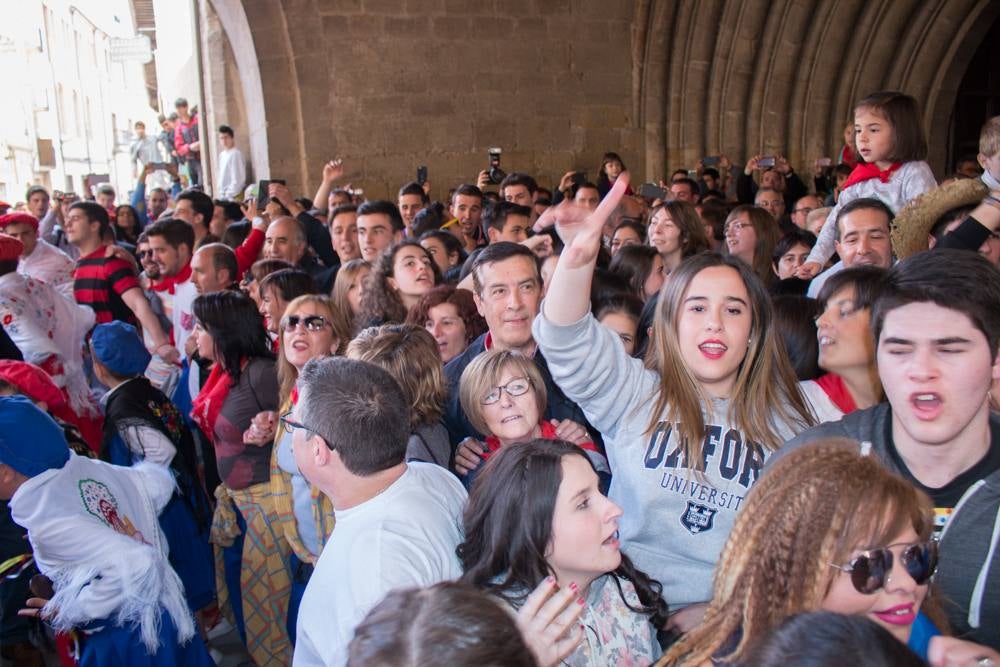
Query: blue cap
{"points": [[30, 441], [119, 348]]}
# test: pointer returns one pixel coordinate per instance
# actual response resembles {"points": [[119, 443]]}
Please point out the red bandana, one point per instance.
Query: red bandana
{"points": [[207, 404], [836, 390], [169, 283], [866, 171], [547, 432]]}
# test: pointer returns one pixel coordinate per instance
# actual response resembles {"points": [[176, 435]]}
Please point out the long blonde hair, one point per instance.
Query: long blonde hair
{"points": [[766, 391], [814, 507], [341, 324]]}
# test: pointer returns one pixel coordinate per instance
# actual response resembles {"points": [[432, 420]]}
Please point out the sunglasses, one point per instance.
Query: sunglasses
{"points": [[871, 570], [311, 322]]}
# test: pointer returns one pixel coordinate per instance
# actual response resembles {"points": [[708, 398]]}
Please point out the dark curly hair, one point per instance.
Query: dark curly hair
{"points": [[380, 303], [508, 527]]}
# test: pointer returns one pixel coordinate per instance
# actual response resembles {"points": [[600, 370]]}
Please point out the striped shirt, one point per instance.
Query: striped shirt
{"points": [[99, 282]]}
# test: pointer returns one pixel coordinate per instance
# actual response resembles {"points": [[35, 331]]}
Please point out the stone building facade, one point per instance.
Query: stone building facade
{"points": [[392, 84]]}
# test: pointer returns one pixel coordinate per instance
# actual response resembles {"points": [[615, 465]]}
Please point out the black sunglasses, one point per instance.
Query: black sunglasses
{"points": [[311, 322], [871, 570]]}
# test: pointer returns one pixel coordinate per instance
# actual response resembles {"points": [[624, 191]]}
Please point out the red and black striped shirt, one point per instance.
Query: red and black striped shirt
{"points": [[99, 282]]}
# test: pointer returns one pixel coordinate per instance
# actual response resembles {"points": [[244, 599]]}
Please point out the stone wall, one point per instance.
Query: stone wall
{"points": [[392, 84]]}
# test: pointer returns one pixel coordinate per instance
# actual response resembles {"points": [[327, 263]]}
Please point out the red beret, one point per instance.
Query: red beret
{"points": [[10, 248], [18, 219]]}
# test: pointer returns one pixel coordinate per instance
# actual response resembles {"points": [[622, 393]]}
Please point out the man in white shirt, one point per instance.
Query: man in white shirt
{"points": [[398, 523], [232, 167], [40, 260]]}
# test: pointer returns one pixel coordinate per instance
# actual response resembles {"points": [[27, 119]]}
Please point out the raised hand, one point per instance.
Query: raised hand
{"points": [[581, 229], [333, 170]]}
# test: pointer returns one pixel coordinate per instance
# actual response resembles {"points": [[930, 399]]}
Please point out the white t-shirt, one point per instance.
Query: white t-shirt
{"points": [[404, 537]]}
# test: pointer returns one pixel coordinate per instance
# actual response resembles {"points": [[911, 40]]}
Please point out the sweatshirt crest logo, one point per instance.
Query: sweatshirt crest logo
{"points": [[698, 518]]}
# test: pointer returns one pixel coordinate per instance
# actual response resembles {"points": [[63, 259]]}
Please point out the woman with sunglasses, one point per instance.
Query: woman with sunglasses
{"points": [[242, 383], [687, 429], [503, 396], [311, 327], [827, 528]]}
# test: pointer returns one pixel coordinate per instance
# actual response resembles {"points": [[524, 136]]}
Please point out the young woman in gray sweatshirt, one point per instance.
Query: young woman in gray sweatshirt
{"points": [[688, 432]]}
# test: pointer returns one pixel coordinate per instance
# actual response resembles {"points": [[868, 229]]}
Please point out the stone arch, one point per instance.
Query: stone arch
{"points": [[744, 77]]}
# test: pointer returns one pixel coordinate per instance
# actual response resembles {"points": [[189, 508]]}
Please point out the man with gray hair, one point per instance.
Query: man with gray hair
{"points": [[398, 523], [286, 239]]}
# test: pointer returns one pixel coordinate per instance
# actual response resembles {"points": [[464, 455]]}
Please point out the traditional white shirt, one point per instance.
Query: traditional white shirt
{"points": [[94, 531], [44, 323], [50, 265], [232, 173]]}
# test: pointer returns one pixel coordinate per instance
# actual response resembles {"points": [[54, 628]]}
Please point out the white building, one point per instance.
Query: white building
{"points": [[69, 108]]}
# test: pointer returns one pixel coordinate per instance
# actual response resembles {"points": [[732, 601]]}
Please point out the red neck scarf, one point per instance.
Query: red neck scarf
{"points": [[835, 388], [169, 283], [866, 171], [546, 432], [207, 404]]}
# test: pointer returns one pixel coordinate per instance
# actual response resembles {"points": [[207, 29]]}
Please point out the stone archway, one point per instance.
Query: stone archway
{"points": [[747, 77]]}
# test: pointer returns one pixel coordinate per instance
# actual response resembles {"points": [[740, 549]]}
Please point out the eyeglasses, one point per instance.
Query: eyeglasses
{"points": [[312, 322], [143, 254], [291, 425], [737, 226], [872, 570], [516, 387]]}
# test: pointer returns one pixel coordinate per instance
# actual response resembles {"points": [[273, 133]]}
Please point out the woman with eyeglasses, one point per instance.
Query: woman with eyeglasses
{"points": [[676, 231], [310, 327], [503, 396], [751, 234], [846, 343], [243, 383], [827, 528]]}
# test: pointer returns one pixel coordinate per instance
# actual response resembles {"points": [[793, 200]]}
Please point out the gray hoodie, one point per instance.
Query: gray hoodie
{"points": [[969, 572], [675, 520]]}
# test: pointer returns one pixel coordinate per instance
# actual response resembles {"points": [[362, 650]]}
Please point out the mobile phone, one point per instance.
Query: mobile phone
{"points": [[421, 174], [158, 166], [824, 162], [766, 162], [262, 190], [578, 178], [710, 160], [652, 191]]}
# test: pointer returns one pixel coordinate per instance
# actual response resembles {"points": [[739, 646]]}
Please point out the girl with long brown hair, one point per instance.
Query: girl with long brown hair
{"points": [[751, 234], [400, 275], [688, 432], [827, 528]]}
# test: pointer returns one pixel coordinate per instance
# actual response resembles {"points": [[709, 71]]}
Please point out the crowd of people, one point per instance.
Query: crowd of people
{"points": [[727, 418]]}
